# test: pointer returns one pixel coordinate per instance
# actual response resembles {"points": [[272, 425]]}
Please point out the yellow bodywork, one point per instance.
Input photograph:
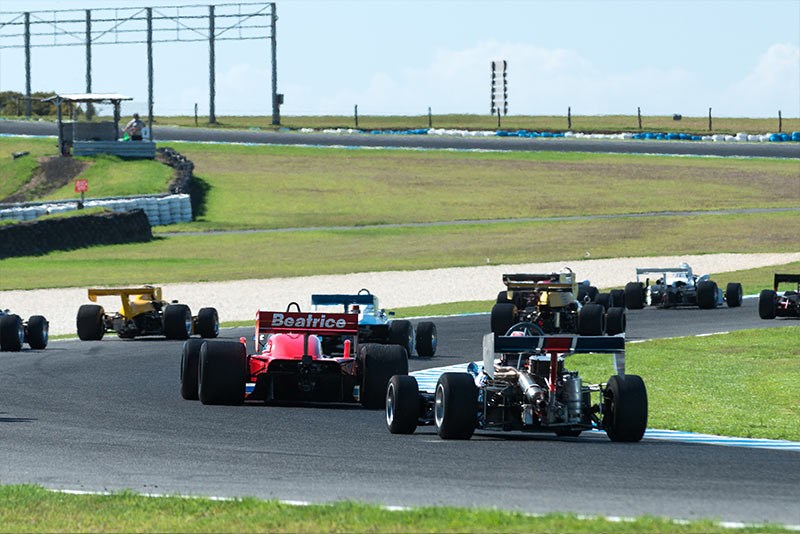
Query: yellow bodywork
{"points": [[135, 300]]}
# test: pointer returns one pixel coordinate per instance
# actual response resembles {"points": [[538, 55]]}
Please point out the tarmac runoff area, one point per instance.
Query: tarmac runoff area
{"points": [[240, 299]]}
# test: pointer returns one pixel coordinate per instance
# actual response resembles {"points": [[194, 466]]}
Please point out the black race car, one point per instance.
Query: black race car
{"points": [[771, 304]]}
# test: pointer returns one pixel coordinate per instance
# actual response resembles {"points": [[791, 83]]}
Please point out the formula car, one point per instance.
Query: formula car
{"points": [[771, 304], [548, 300], [525, 386], [144, 313], [679, 286], [14, 331], [375, 324], [289, 363]]}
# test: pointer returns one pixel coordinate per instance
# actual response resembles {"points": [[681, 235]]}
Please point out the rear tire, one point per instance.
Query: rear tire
{"points": [[618, 298], [707, 294], [402, 404], [222, 372], [379, 363], [767, 304], [90, 322], [190, 368], [456, 406], [402, 333], [625, 408], [12, 333], [177, 321], [208, 323], [733, 294], [615, 321], [605, 300], [426, 339], [634, 295], [504, 316], [591, 320], [37, 332]]}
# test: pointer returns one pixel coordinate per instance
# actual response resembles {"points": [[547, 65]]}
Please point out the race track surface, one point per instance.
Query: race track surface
{"points": [[108, 415]]}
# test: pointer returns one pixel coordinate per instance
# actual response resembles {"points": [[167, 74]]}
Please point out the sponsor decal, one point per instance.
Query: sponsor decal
{"points": [[308, 321]]}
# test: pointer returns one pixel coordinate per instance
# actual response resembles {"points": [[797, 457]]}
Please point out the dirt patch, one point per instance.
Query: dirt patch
{"points": [[52, 174]]}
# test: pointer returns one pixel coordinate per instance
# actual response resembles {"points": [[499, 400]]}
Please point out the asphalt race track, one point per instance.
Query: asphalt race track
{"points": [[108, 415], [163, 134]]}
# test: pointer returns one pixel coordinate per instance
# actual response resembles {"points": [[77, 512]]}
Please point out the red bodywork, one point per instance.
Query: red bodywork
{"points": [[304, 356]]}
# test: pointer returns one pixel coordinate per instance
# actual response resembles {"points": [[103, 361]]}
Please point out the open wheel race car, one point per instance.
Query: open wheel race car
{"points": [[678, 286], [548, 300], [14, 332], [771, 304], [375, 324], [524, 386], [289, 363], [144, 313]]}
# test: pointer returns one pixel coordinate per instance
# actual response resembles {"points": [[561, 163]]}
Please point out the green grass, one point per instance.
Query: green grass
{"points": [[195, 258], [737, 384], [34, 509], [15, 172]]}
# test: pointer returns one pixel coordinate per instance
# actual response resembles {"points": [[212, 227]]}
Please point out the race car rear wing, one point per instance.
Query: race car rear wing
{"points": [[363, 299], [541, 281], [152, 293], [787, 278], [324, 324], [554, 346]]}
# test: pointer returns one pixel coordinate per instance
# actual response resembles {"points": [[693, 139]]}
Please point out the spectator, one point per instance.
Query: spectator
{"points": [[134, 128]]}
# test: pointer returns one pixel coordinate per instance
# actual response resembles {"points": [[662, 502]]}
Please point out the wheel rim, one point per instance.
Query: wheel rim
{"points": [[20, 332], [438, 406], [45, 333], [188, 323], [390, 404]]}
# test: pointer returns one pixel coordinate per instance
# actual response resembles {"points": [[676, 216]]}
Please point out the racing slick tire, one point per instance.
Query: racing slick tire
{"points": [[190, 368], [606, 300], [402, 333], [615, 321], [591, 320], [177, 321], [455, 407], [402, 404], [707, 294], [504, 316], [426, 339], [733, 294], [618, 298], [378, 364], [502, 297], [625, 408], [208, 322], [634, 295], [12, 333], [90, 322], [222, 372], [767, 306], [37, 332]]}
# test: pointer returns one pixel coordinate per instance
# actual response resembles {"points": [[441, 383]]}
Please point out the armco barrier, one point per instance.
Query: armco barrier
{"points": [[40, 237]]}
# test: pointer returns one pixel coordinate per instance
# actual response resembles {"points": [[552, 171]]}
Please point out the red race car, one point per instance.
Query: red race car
{"points": [[289, 363]]}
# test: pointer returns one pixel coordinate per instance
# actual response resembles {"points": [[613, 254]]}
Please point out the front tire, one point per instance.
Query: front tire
{"points": [[456, 406], [402, 333], [707, 294], [615, 321], [426, 339], [402, 404], [625, 408], [591, 320], [222, 372], [177, 321], [634, 295], [504, 316], [378, 364], [90, 322], [37, 332], [767, 304]]}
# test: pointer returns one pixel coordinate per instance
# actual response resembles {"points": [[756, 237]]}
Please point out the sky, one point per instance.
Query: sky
{"points": [[739, 57]]}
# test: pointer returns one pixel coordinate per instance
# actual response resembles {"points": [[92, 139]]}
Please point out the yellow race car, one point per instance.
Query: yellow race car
{"points": [[144, 313]]}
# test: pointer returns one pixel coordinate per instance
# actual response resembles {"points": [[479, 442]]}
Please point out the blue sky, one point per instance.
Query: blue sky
{"points": [[739, 57]]}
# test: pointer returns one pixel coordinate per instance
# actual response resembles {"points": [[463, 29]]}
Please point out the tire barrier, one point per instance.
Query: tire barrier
{"points": [[160, 209], [68, 233]]}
